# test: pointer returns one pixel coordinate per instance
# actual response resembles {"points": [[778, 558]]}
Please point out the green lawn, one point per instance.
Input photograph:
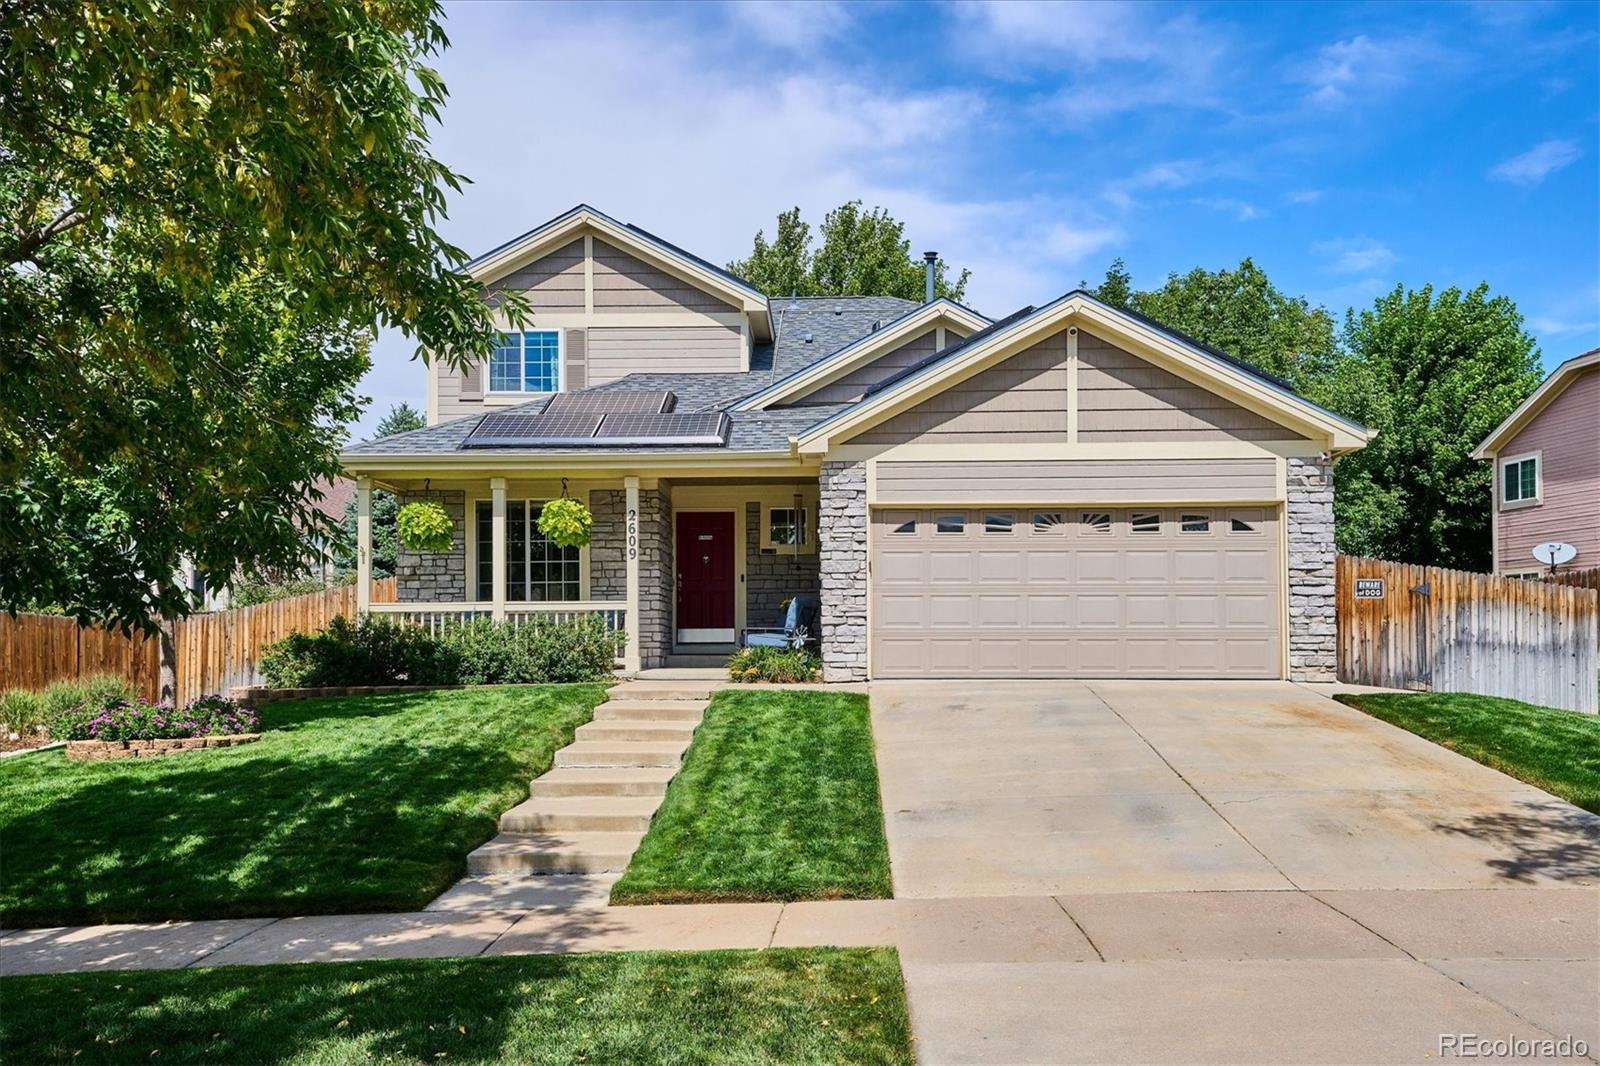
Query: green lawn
{"points": [[1558, 751], [778, 1006], [777, 800], [368, 803]]}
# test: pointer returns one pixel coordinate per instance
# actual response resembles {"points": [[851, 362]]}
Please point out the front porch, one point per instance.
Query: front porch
{"points": [[685, 567]]}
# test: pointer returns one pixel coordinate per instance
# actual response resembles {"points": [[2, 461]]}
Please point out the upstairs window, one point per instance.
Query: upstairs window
{"points": [[526, 362], [1520, 480]]}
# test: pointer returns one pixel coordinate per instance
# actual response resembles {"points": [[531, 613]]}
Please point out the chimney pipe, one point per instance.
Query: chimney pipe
{"points": [[930, 262]]}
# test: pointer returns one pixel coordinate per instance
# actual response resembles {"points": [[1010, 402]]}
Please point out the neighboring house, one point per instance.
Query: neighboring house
{"points": [[1547, 471], [1071, 491]]}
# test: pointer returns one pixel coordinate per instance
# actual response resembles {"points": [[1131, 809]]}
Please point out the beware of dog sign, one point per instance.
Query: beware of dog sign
{"points": [[1369, 588]]}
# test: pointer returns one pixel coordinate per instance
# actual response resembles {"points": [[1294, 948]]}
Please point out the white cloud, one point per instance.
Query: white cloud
{"points": [[1542, 324], [1538, 162], [1360, 67], [1243, 210], [1355, 255], [794, 25], [1305, 196], [1167, 174]]}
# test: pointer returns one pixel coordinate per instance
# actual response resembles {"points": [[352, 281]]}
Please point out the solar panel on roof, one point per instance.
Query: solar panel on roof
{"points": [[689, 428], [604, 403], [578, 429]]}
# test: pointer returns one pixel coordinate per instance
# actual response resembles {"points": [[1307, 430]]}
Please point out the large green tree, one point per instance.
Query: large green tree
{"points": [[205, 212], [1433, 373], [863, 253], [1239, 312]]}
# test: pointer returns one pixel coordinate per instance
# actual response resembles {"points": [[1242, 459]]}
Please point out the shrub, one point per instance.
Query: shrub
{"points": [[116, 718], [250, 593], [378, 651], [373, 651], [22, 712], [781, 665], [566, 522]]}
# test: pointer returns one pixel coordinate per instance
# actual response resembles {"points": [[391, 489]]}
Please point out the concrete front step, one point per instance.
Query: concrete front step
{"points": [[651, 710], [635, 730], [604, 781], [663, 690], [622, 753], [554, 853], [579, 814]]}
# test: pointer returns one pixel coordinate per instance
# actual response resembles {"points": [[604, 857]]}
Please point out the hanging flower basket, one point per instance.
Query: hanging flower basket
{"points": [[425, 527], [566, 523]]}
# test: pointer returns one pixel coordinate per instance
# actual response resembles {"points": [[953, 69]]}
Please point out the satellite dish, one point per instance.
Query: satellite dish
{"points": [[1554, 553]]}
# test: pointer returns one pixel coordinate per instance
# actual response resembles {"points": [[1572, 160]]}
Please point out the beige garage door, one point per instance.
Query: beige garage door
{"points": [[1076, 592]]}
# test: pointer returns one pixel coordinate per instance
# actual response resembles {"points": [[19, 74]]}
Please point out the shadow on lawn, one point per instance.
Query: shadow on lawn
{"points": [[356, 820]]}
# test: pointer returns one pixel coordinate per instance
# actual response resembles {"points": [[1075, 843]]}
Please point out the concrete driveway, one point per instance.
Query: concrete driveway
{"points": [[1223, 872]]}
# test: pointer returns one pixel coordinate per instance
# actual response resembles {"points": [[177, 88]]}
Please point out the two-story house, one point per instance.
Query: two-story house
{"points": [[1546, 460], [1069, 491]]}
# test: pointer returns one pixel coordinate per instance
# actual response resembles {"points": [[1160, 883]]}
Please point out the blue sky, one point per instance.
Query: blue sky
{"points": [[1345, 147]]}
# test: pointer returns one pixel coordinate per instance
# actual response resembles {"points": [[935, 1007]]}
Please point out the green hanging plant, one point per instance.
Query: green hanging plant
{"points": [[566, 523], [424, 526]]}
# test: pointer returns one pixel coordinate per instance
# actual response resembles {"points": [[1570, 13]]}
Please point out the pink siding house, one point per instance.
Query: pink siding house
{"points": [[1547, 470]]}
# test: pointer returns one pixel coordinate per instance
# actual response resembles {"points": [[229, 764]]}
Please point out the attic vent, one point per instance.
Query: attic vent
{"points": [[877, 324], [838, 309], [808, 338]]}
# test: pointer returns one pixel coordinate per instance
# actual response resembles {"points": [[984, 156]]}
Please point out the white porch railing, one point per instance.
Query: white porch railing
{"points": [[437, 617]]}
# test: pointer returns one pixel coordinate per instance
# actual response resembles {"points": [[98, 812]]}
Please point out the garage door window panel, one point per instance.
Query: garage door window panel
{"points": [[1049, 523], [1145, 523], [998, 524], [1095, 523], [950, 525], [1194, 524]]}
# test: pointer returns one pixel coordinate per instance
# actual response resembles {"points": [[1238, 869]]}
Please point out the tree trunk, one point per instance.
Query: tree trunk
{"points": [[169, 660]]}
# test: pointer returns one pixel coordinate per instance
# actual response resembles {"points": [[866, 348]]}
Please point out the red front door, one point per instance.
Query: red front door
{"points": [[706, 583]]}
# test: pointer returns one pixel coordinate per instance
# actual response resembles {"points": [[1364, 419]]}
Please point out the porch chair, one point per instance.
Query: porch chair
{"points": [[799, 626]]}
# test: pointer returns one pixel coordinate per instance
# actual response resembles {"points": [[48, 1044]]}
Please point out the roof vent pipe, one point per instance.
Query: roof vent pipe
{"points": [[930, 262]]}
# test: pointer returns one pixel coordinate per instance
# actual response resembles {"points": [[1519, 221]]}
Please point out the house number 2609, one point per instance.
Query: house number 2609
{"points": [[633, 533]]}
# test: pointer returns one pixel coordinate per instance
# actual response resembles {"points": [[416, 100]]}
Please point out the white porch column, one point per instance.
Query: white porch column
{"points": [[630, 553], [363, 545], [497, 487]]}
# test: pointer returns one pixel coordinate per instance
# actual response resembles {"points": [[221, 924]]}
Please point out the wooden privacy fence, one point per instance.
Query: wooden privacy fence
{"points": [[36, 649], [1432, 629], [1581, 579], [213, 652]]}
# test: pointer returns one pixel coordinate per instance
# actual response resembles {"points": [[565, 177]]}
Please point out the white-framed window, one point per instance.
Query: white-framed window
{"points": [[786, 527], [1194, 523], [1146, 522], [529, 361], [536, 570], [950, 524], [1519, 479], [901, 526], [1095, 522], [1240, 525], [1049, 522], [998, 523]]}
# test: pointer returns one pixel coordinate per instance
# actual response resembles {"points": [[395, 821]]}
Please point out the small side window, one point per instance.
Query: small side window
{"points": [[1195, 523], [998, 523], [1146, 522], [1049, 522], [1239, 525], [1095, 522], [906, 527], [950, 523]]}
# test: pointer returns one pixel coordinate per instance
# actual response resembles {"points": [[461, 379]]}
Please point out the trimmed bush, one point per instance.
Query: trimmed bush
{"points": [[115, 718], [779, 665], [373, 651], [22, 712], [378, 651]]}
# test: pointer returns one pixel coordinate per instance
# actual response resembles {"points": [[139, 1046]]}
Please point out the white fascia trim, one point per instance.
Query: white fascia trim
{"points": [[859, 353], [634, 462], [1551, 387], [1346, 435], [507, 257]]}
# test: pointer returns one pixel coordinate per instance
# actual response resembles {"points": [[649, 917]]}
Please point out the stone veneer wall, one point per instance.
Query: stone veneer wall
{"points": [[608, 566], [773, 577], [842, 546], [1313, 624], [656, 577], [434, 577]]}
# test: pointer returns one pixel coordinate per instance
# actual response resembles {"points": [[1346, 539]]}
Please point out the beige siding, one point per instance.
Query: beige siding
{"points": [[1022, 400], [553, 282], [851, 387], [1567, 434], [1122, 397], [1069, 480], [616, 351], [623, 283]]}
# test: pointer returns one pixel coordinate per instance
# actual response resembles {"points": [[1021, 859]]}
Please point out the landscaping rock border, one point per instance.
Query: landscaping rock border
{"points": [[106, 750]]}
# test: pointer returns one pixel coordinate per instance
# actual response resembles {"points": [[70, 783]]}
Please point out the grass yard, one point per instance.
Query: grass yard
{"points": [[777, 1006], [1558, 751], [777, 800], [369, 803]]}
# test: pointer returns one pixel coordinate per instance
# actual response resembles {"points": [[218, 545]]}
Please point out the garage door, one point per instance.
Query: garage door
{"points": [[1075, 592]]}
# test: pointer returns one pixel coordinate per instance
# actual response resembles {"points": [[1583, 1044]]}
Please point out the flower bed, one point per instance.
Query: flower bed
{"points": [[118, 728]]}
